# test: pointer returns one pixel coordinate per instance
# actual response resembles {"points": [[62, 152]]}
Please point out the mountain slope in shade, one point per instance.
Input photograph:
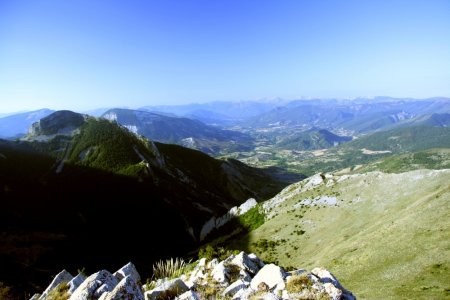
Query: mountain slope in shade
{"points": [[183, 131], [67, 198], [16, 125]]}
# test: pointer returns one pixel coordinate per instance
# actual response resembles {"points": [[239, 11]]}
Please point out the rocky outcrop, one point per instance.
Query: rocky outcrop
{"points": [[215, 223], [59, 122], [238, 277], [127, 288], [62, 277], [94, 286]]}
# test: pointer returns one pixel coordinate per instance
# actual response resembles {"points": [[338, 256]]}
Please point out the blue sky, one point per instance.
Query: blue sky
{"points": [[85, 54]]}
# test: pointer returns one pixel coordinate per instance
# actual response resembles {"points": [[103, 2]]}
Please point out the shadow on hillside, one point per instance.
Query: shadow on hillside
{"points": [[82, 218]]}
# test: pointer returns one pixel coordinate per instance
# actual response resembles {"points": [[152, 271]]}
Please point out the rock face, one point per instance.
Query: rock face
{"points": [[238, 277], [215, 223]]}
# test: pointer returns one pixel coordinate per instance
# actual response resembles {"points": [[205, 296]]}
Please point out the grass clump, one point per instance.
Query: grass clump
{"points": [[60, 292], [170, 268], [298, 282]]}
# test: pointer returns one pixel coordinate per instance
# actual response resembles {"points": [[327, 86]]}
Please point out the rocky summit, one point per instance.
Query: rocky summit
{"points": [[241, 276]]}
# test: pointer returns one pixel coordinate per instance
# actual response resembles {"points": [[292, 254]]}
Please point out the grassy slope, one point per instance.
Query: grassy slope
{"points": [[389, 237]]}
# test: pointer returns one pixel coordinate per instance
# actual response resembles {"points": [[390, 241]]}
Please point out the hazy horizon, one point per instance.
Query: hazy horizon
{"points": [[89, 54]]}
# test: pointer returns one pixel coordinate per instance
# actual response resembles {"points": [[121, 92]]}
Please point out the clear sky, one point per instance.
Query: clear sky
{"points": [[86, 54]]}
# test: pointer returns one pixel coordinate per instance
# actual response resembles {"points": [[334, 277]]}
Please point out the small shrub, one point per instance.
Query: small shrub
{"points": [[298, 282], [209, 252], [252, 219]]}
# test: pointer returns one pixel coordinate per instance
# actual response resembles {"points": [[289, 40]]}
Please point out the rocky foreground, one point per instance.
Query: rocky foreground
{"points": [[239, 276]]}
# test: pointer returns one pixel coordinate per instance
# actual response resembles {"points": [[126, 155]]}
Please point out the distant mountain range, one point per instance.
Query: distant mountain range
{"points": [[358, 116], [182, 131], [223, 113]]}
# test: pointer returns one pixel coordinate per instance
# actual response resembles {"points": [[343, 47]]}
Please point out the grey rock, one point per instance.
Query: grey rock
{"points": [[128, 270], [94, 285], [127, 288], [189, 295], [245, 263], [256, 260], [170, 288], [235, 287], [76, 282]]}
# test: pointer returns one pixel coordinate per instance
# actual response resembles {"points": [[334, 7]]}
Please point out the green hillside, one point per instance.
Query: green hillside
{"points": [[386, 237]]}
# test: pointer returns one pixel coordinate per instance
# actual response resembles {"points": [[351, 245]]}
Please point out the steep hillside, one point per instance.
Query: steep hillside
{"points": [[16, 125], [101, 183], [183, 131], [387, 236]]}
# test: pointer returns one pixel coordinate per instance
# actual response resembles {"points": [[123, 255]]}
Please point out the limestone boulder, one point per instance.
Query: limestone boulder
{"points": [[271, 275]]}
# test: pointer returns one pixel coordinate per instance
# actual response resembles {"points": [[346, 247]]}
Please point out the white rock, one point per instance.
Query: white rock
{"points": [[76, 282], [88, 289], [245, 263], [127, 288], [243, 294], [247, 205], [220, 273], [313, 181], [234, 288], [270, 296], [62, 276], [189, 295], [128, 270], [270, 275], [202, 262], [214, 262], [325, 276], [173, 287], [334, 292]]}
